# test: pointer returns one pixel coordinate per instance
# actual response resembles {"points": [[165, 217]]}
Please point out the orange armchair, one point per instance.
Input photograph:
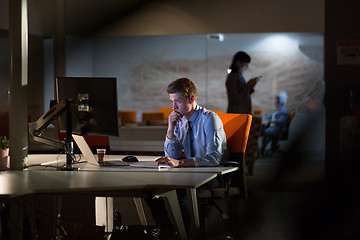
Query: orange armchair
{"points": [[127, 116], [237, 129], [153, 119], [166, 111]]}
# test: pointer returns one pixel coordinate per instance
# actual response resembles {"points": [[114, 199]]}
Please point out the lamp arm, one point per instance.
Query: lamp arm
{"points": [[37, 128], [47, 141]]}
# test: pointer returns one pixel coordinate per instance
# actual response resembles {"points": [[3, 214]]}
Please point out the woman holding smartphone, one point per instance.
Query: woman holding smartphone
{"points": [[238, 90]]}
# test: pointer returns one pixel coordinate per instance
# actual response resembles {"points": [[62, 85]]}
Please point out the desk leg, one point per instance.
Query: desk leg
{"points": [[175, 209], [58, 201], [104, 207], [194, 210], [140, 210]]}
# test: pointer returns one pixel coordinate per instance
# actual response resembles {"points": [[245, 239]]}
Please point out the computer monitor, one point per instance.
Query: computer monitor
{"points": [[94, 104]]}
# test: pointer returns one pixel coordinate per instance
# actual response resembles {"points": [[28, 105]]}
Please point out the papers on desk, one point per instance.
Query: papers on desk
{"points": [[149, 164]]}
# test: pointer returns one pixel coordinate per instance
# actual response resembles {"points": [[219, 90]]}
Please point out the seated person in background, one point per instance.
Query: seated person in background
{"points": [[275, 122], [198, 133]]}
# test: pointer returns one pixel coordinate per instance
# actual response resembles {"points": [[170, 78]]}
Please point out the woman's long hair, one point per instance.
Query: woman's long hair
{"points": [[239, 56]]}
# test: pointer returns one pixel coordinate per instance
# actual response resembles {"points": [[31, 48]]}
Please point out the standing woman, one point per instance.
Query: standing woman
{"points": [[239, 101], [238, 90]]}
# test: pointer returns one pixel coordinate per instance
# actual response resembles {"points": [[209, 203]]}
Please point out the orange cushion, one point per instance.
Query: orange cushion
{"points": [[166, 111], [237, 128], [127, 116]]}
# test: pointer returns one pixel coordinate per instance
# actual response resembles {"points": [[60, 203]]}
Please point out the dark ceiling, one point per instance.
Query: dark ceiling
{"points": [[86, 16], [80, 16]]}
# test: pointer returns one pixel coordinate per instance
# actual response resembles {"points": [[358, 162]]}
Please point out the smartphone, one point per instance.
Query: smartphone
{"points": [[258, 78]]}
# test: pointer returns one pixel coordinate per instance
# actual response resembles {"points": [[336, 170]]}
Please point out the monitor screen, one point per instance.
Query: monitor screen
{"points": [[94, 104]]}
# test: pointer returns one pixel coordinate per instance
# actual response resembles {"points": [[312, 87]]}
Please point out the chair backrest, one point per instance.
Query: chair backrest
{"points": [[153, 118], [257, 112], [237, 129], [166, 111], [285, 134], [127, 116], [291, 117], [217, 111]]}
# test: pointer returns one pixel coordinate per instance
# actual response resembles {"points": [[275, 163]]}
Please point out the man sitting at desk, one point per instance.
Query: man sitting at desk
{"points": [[192, 128], [198, 133]]}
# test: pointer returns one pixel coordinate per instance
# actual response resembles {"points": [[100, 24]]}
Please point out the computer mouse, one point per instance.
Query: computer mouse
{"points": [[130, 159]]}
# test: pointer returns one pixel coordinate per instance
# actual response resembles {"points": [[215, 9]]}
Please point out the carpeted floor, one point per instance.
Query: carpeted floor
{"points": [[282, 195]]}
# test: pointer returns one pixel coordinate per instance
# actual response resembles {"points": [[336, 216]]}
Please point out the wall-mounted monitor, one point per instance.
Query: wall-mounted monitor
{"points": [[94, 104]]}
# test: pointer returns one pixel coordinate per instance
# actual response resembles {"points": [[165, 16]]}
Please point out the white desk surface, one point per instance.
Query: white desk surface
{"points": [[100, 183], [97, 179], [19, 183], [59, 160]]}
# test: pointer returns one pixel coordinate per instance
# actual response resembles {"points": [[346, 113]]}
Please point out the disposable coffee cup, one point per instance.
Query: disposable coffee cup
{"points": [[101, 154]]}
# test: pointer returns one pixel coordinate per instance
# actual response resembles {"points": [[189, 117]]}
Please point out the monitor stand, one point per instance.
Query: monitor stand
{"points": [[69, 149]]}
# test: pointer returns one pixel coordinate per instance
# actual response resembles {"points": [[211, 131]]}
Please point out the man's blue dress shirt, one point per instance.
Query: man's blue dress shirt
{"points": [[209, 140]]}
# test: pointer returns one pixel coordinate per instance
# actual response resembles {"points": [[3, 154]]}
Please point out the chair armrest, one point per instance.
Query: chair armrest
{"points": [[227, 177], [230, 164], [238, 178]]}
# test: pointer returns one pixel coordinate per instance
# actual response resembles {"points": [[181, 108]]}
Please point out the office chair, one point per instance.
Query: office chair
{"points": [[153, 119], [284, 135], [252, 147], [237, 129], [127, 116], [166, 111]]}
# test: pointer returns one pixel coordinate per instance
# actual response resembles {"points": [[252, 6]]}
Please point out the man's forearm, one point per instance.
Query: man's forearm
{"points": [[186, 163], [170, 133]]}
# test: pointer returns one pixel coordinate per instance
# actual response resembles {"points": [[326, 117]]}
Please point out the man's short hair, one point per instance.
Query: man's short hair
{"points": [[184, 86], [282, 96]]}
